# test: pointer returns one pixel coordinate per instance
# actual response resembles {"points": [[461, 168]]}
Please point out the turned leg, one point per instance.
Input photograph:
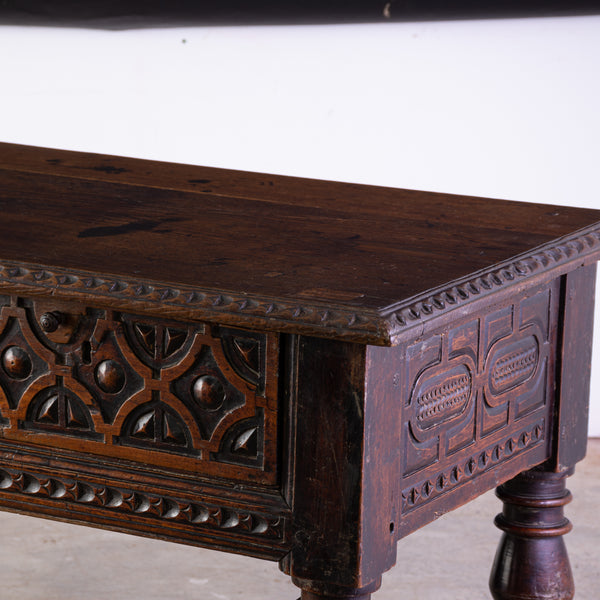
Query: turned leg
{"points": [[315, 596], [532, 561], [312, 590]]}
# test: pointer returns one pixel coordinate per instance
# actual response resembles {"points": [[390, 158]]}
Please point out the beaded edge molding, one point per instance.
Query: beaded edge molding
{"points": [[200, 516], [543, 259], [380, 327], [203, 304]]}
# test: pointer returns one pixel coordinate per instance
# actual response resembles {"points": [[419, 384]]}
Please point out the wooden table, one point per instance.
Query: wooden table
{"points": [[296, 370]]}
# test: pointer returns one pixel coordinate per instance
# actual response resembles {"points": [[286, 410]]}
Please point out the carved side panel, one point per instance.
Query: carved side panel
{"points": [[477, 395], [177, 395]]}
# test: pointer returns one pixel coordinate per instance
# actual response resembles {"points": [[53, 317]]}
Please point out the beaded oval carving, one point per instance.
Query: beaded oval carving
{"points": [[440, 396], [512, 365]]}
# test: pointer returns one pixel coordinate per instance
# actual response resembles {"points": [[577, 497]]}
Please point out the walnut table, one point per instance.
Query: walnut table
{"points": [[292, 369]]}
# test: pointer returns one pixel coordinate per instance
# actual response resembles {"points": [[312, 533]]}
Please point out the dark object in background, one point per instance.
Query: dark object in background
{"points": [[123, 14]]}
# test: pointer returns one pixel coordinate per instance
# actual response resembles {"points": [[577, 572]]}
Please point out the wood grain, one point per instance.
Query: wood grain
{"points": [[331, 259], [199, 355]]}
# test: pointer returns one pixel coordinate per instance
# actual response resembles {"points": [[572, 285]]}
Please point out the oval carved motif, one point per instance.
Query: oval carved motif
{"points": [[442, 395], [513, 365]]}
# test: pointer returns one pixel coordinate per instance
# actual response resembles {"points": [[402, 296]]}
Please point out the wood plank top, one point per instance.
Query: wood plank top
{"points": [[340, 260]]}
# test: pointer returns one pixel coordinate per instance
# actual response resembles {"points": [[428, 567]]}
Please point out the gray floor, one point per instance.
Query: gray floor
{"points": [[45, 560]]}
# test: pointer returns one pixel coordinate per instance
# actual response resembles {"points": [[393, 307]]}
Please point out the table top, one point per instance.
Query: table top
{"points": [[332, 259]]}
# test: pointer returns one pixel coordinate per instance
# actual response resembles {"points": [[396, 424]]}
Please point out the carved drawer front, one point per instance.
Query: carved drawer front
{"points": [[179, 396], [477, 395]]}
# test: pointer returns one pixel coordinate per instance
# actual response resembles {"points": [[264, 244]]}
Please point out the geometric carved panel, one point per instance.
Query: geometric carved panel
{"points": [[476, 394], [168, 394], [57, 409]]}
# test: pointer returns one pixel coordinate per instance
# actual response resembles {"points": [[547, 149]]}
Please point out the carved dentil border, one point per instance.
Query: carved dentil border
{"points": [[458, 474], [544, 259], [367, 326], [188, 302], [199, 515]]}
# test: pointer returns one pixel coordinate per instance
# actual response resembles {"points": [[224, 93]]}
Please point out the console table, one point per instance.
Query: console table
{"points": [[297, 370]]}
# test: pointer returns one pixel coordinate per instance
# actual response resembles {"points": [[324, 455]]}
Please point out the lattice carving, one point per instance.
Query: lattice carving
{"points": [[20, 363], [157, 344], [162, 392]]}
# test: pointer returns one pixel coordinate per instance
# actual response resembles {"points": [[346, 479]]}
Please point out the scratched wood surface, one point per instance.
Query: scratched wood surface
{"points": [[348, 247], [164, 367]]}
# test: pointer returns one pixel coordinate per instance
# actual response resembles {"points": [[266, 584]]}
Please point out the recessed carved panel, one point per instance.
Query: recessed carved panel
{"points": [[243, 443], [440, 387], [441, 396], [57, 409], [207, 392], [513, 364], [20, 364], [155, 425], [175, 395], [468, 389]]}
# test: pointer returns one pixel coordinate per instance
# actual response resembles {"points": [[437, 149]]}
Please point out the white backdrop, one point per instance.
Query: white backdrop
{"points": [[500, 108]]}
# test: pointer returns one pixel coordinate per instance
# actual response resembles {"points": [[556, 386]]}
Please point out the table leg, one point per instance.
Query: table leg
{"points": [[312, 590], [313, 596], [532, 562]]}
